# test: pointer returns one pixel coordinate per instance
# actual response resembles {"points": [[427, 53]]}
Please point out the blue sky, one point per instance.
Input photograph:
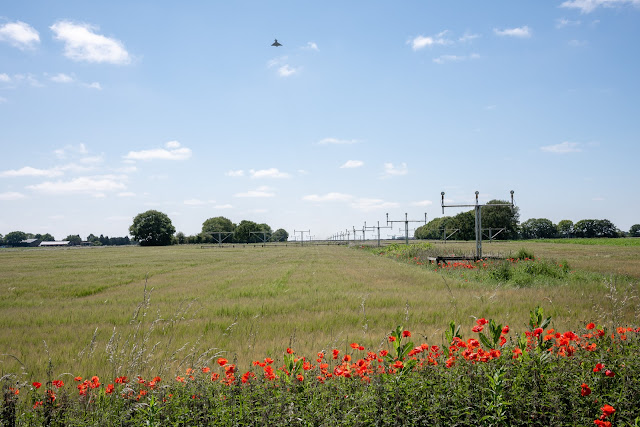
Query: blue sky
{"points": [[108, 109]]}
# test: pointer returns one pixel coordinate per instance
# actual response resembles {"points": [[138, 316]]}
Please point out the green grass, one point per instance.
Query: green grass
{"points": [[631, 241], [248, 302]]}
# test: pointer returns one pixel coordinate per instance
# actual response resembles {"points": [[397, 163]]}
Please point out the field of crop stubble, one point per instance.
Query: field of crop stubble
{"points": [[250, 302]]}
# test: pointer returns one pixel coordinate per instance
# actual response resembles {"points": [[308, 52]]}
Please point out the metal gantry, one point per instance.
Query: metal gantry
{"points": [[406, 224], [302, 235], [478, 211], [374, 227], [221, 236]]}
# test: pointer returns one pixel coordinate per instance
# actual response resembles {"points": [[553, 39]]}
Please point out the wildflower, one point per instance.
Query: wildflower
{"points": [[609, 373], [591, 325], [346, 358], [109, 389], [537, 332], [205, 370], [36, 385], [180, 379], [58, 383], [516, 353], [599, 367], [222, 361], [335, 353], [600, 423], [585, 390], [121, 380], [392, 338], [406, 334], [482, 321], [383, 353], [398, 364], [505, 330], [289, 351], [354, 345], [477, 328], [299, 377], [607, 410], [78, 379], [37, 403]]}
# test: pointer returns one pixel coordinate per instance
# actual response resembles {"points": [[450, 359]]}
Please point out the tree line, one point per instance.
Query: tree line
{"points": [[502, 223], [154, 228], [15, 238]]}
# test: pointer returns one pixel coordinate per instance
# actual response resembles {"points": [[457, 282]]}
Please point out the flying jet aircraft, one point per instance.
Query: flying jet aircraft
{"points": [[275, 43]]}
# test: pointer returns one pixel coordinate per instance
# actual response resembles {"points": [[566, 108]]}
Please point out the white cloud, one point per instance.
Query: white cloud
{"points": [[28, 78], [257, 193], [562, 148], [520, 32], [420, 42], [454, 58], [126, 194], [368, 205], [4, 78], [268, 173], [286, 70], [588, 6], [93, 185], [173, 151], [226, 206], [61, 78], [336, 141], [83, 44], [29, 171], [467, 37], [94, 85], [422, 203], [198, 202], [564, 22], [311, 46], [237, 173], [63, 153], [20, 35], [350, 164], [391, 170], [329, 197], [11, 195]]}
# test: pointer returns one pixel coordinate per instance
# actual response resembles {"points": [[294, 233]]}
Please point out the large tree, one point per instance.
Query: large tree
{"points": [[280, 235], [565, 228], [538, 228], [152, 228], [218, 224], [244, 229], [634, 231], [501, 217], [74, 239], [14, 238], [595, 228]]}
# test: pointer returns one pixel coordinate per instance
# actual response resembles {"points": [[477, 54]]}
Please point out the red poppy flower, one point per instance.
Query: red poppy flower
{"points": [[392, 338], [585, 390], [505, 330], [57, 383], [36, 385], [607, 410], [600, 423], [300, 377], [599, 367], [354, 345], [289, 350], [609, 373], [482, 321], [591, 325], [406, 333], [398, 364], [383, 353], [222, 361], [537, 331], [477, 328]]}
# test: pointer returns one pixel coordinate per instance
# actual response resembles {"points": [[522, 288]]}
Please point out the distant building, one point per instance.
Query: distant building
{"points": [[54, 244], [30, 242]]}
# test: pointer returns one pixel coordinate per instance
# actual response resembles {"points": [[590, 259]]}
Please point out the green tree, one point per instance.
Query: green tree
{"points": [[74, 239], [244, 229], [218, 223], [14, 238], [434, 229], [180, 238], [280, 235], [595, 228], [538, 228], [634, 231], [46, 237], [152, 228], [565, 228], [501, 217]]}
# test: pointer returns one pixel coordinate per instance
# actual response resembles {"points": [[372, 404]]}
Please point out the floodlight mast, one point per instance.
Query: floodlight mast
{"points": [[302, 235], [478, 211], [406, 225]]}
